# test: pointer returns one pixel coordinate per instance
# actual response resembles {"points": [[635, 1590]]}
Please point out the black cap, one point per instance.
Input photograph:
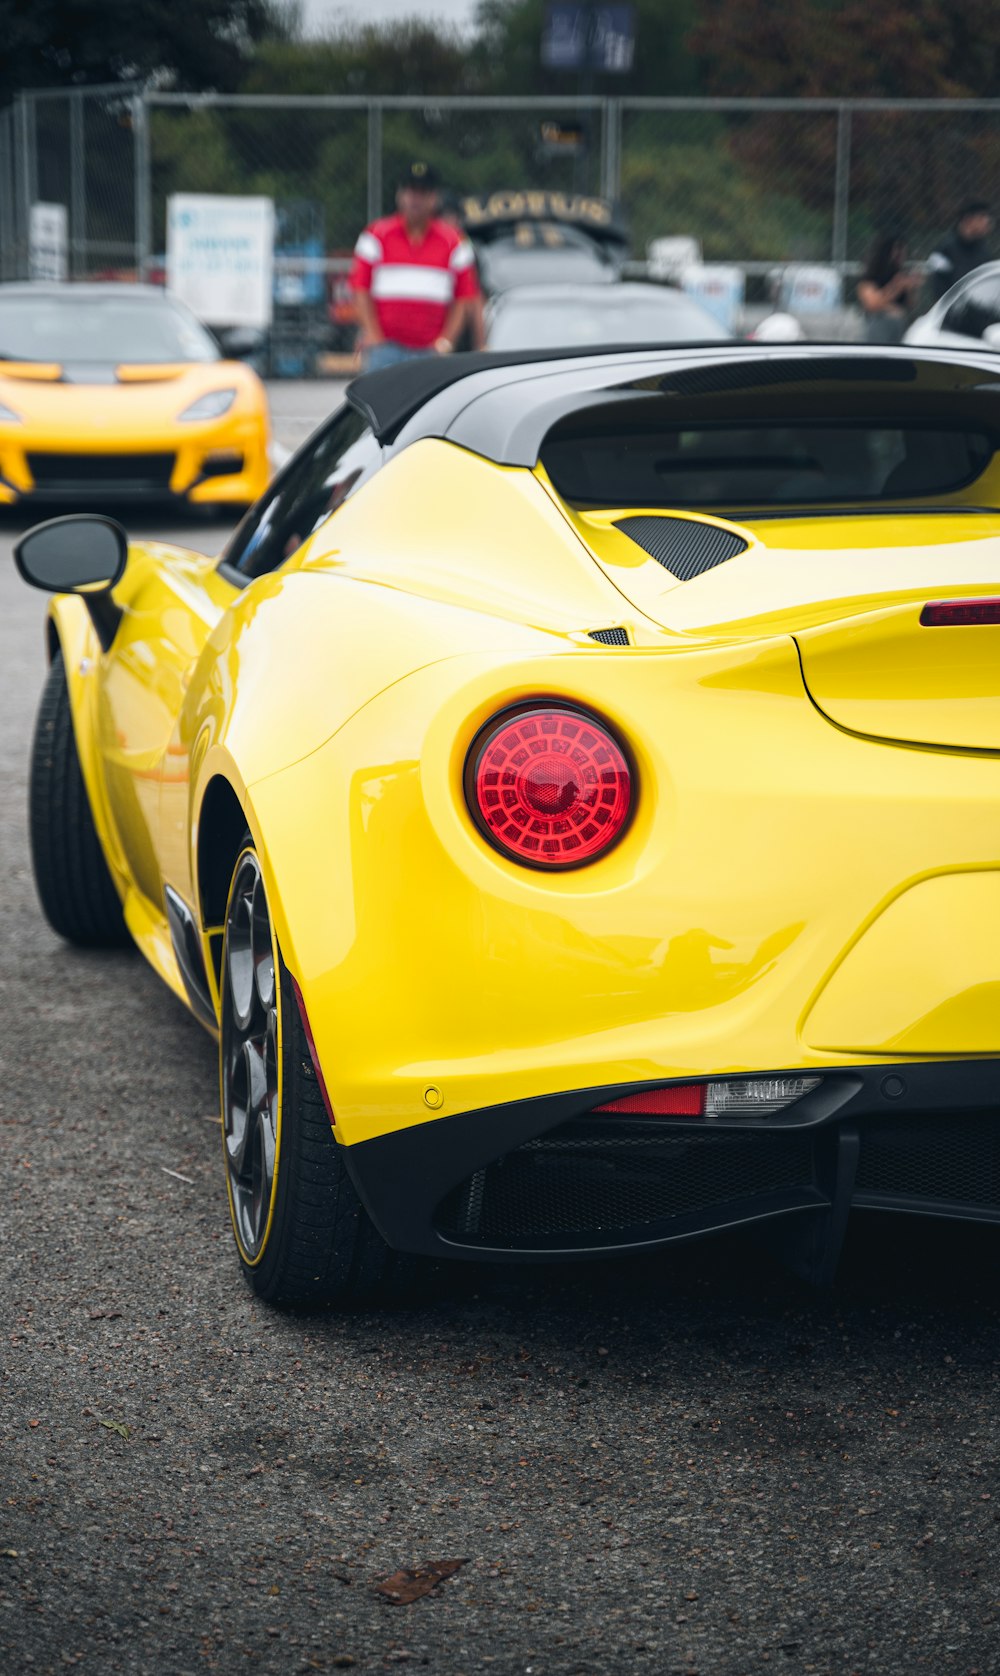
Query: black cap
{"points": [[422, 177]]}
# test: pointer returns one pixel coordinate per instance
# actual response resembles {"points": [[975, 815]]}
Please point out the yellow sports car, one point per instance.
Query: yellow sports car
{"points": [[116, 392], [572, 799]]}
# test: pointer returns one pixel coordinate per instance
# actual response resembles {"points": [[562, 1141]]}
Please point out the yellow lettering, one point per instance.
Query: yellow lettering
{"points": [[504, 204]]}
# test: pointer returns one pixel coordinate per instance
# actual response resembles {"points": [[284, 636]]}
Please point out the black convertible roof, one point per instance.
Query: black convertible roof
{"points": [[502, 405]]}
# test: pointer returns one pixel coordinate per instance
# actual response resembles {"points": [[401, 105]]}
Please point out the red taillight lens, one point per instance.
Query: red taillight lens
{"points": [[960, 613], [549, 786], [684, 1099]]}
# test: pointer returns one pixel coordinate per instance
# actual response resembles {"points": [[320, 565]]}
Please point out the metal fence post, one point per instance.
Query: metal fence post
{"points": [[31, 146], [24, 125], [842, 186], [374, 160], [143, 164], [611, 150], [77, 187], [8, 234]]}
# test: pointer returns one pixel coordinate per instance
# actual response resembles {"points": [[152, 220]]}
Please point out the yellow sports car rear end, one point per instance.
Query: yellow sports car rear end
{"points": [[572, 799], [113, 393]]}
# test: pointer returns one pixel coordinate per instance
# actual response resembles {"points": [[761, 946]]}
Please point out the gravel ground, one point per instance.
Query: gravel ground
{"points": [[682, 1464]]}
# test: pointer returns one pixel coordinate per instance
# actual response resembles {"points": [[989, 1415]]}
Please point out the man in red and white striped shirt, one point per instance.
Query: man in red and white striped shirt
{"points": [[413, 277]]}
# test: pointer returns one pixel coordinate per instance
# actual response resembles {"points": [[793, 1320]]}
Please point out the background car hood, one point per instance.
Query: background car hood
{"points": [[58, 397], [49, 391]]}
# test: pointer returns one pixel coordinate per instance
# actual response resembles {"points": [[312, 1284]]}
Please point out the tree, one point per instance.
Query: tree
{"points": [[908, 171], [405, 57], [58, 43], [918, 49]]}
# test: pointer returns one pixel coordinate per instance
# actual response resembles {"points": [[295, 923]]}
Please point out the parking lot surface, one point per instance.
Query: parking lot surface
{"points": [[686, 1463]]}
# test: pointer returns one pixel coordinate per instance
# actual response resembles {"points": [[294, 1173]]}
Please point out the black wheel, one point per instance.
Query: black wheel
{"points": [[303, 1236], [76, 890]]}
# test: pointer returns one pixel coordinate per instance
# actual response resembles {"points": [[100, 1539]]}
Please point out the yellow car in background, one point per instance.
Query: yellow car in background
{"points": [[113, 393]]}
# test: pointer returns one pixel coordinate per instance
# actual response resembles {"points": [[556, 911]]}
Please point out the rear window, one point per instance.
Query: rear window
{"points": [[765, 465]]}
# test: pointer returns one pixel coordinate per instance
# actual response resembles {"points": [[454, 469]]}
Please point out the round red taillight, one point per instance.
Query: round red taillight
{"points": [[549, 785]]}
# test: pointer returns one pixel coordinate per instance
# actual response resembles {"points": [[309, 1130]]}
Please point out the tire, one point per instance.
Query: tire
{"points": [[74, 886], [303, 1236]]}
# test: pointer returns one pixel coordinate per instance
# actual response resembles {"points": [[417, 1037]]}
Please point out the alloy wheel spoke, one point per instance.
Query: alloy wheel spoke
{"points": [[250, 1057], [249, 1103]]}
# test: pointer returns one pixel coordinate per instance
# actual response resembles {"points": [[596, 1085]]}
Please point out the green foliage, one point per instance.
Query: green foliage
{"points": [[907, 174], [54, 43], [699, 189], [404, 57], [900, 49]]}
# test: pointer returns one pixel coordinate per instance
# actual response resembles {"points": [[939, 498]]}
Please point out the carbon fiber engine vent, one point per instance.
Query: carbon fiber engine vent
{"points": [[681, 545], [610, 637]]}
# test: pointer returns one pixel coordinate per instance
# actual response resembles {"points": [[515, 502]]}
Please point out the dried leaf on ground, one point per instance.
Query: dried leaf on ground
{"points": [[406, 1586], [116, 1426]]}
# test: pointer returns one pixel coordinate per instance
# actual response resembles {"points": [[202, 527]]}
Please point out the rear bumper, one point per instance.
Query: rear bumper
{"points": [[550, 1178]]}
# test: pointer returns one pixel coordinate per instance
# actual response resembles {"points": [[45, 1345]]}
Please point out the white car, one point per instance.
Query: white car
{"points": [[967, 314], [578, 316]]}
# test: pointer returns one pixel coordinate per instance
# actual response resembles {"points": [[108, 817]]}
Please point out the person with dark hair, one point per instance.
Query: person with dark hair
{"points": [[964, 248], [412, 277], [886, 290]]}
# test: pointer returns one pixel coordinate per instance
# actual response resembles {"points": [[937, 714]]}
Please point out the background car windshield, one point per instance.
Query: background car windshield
{"points": [[765, 465], [100, 329], [506, 264], [541, 324]]}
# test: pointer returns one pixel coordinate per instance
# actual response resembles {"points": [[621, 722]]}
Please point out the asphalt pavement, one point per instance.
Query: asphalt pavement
{"points": [[687, 1463]]}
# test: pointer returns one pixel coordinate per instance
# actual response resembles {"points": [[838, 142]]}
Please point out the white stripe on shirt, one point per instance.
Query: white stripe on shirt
{"points": [[368, 248], [414, 284], [462, 257]]}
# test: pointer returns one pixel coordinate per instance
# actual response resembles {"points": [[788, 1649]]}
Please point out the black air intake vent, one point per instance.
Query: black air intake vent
{"points": [[681, 545], [610, 637]]}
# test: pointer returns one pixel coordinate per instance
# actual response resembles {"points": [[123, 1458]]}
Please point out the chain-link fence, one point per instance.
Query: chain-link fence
{"points": [[756, 182]]}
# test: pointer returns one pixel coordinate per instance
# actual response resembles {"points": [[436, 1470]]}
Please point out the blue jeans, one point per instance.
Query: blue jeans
{"points": [[389, 355]]}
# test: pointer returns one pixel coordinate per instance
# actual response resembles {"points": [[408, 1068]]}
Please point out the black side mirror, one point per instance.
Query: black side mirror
{"points": [[83, 553]]}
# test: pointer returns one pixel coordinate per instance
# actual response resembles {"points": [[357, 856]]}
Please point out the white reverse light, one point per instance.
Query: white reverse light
{"points": [[755, 1096]]}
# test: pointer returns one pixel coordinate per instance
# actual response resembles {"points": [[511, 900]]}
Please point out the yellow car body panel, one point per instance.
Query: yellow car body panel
{"points": [[923, 977], [138, 414], [810, 878], [687, 951]]}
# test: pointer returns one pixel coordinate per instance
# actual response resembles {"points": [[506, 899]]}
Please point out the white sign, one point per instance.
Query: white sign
{"points": [[719, 289], [47, 242], [220, 257], [810, 290], [668, 257]]}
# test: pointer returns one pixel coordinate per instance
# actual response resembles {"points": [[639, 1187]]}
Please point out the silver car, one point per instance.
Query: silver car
{"points": [[968, 314], [577, 316]]}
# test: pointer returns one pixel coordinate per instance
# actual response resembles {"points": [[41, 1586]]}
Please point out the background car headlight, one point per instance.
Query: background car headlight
{"points": [[8, 416], [212, 406]]}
